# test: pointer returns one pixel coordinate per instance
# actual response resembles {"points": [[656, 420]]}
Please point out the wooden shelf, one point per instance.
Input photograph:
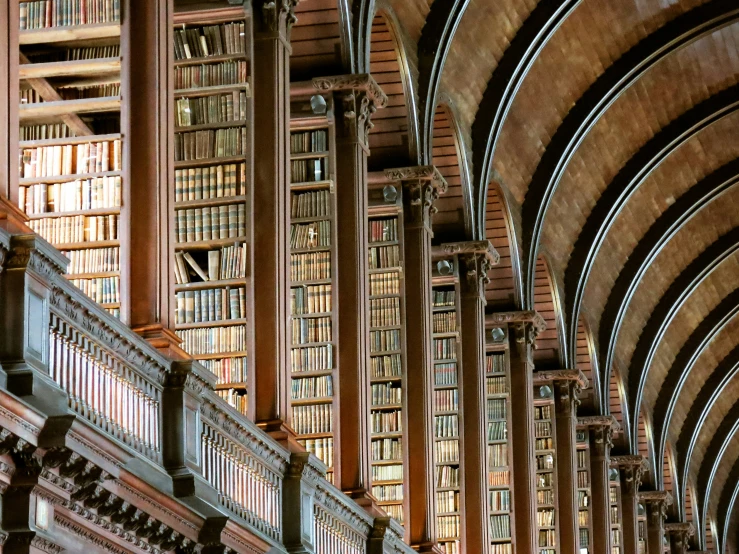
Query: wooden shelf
{"points": [[209, 202], [68, 140], [86, 245], [311, 315], [311, 401], [211, 90], [204, 162], [227, 386], [93, 275], [386, 407], [28, 181], [204, 324], [210, 284], [385, 270], [308, 155], [69, 34], [210, 59], [231, 354], [90, 212], [311, 185], [310, 250], [314, 373], [209, 126], [209, 244], [49, 110], [310, 282], [72, 68]]}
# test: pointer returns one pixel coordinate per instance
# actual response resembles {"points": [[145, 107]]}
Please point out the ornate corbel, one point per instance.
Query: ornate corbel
{"points": [[567, 383], [632, 468], [602, 429], [476, 259], [32, 252], [423, 184], [656, 503]]}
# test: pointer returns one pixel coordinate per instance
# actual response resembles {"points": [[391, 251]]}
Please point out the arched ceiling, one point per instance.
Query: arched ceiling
{"points": [[596, 144]]}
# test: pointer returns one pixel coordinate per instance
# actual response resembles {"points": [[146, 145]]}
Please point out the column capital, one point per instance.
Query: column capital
{"points": [[476, 259], [632, 468], [31, 252], [423, 185], [574, 376], [497, 319], [607, 421], [680, 534], [275, 13], [567, 383], [603, 429]]}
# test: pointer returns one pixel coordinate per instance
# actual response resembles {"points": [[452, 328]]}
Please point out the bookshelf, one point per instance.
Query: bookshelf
{"points": [[71, 149], [641, 521], [387, 348], [614, 497], [212, 193], [546, 472], [447, 425], [313, 275], [584, 515], [499, 460]]}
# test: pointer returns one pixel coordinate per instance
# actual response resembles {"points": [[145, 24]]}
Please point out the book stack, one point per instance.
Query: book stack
{"points": [[311, 272], [614, 497], [211, 187], [583, 488], [498, 454], [546, 477], [386, 357], [44, 14]]}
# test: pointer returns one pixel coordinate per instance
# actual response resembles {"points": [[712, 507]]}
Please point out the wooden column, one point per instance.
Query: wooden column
{"points": [[630, 469], [656, 504], [272, 24], [475, 260], [567, 385], [601, 441], [421, 187], [523, 327], [147, 225], [679, 535], [357, 98]]}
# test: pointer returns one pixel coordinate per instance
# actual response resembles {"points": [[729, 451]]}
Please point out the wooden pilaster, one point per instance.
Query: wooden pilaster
{"points": [[601, 441], [630, 469], [475, 260], [272, 24], [523, 327], [567, 385], [421, 187], [656, 504]]}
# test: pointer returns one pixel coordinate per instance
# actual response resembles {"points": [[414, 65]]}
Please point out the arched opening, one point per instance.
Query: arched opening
{"points": [[617, 408], [586, 360], [316, 40], [503, 292], [644, 447], [548, 343]]}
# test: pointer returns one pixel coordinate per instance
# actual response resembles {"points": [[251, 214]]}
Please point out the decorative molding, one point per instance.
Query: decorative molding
{"points": [[26, 251], [632, 468], [151, 503], [84, 443], [417, 173], [477, 258], [655, 497], [46, 545], [561, 375], [19, 421], [338, 506], [361, 82], [90, 537], [273, 12], [599, 421], [530, 316], [188, 374]]}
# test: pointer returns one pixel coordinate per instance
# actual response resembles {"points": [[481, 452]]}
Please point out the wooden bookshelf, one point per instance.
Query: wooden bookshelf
{"points": [[546, 470], [447, 415], [213, 190], [71, 151], [641, 522], [313, 267], [388, 419], [584, 514], [614, 495], [499, 454]]}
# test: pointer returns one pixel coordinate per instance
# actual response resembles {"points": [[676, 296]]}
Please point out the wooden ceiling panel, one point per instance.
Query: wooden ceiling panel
{"points": [[500, 291], [616, 401], [596, 34], [446, 160], [316, 40], [546, 354], [703, 69]]}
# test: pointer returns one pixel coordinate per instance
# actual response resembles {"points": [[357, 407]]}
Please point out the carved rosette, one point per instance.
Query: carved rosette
{"points": [[632, 468], [476, 259], [680, 534], [423, 184], [277, 12]]}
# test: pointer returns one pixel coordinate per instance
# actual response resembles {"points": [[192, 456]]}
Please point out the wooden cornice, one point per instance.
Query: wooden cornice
{"points": [[550, 375], [340, 83], [418, 173], [656, 496], [480, 247], [680, 527], [599, 421], [612, 83], [629, 460], [530, 316]]}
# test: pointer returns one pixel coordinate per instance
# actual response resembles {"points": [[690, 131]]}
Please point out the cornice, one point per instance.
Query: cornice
{"points": [[31, 251], [656, 497], [561, 375], [599, 421], [680, 527], [530, 316], [473, 247], [363, 82], [628, 460], [418, 173]]}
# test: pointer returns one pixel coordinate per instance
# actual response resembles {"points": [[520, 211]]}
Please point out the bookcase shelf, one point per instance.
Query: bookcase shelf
{"points": [[68, 179], [546, 472], [213, 194], [614, 495], [46, 111], [74, 33], [71, 68]]}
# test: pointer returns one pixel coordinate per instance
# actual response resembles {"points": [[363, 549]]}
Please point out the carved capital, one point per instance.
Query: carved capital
{"points": [[631, 469], [190, 375], [31, 252], [498, 319], [656, 503], [45, 545], [423, 185], [602, 429], [680, 534], [276, 13], [476, 259]]}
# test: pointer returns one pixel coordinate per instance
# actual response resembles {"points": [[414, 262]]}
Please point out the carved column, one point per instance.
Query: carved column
{"points": [[475, 260], [567, 385], [421, 187], [630, 469], [272, 24], [656, 504], [357, 98], [523, 327], [679, 535], [601, 441]]}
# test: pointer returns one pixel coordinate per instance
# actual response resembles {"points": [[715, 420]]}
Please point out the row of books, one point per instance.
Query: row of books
{"points": [[545, 480], [547, 537], [582, 479], [499, 478], [77, 228], [495, 363], [313, 358], [385, 312], [615, 519], [446, 400], [585, 539], [321, 448], [388, 365], [384, 283], [104, 290], [446, 452], [210, 40], [43, 14], [496, 408], [384, 450], [544, 497], [447, 476], [497, 455], [384, 341], [214, 108], [388, 493], [214, 340], [302, 142], [542, 412], [66, 54], [227, 263], [383, 257], [445, 374], [311, 329], [312, 387], [447, 527], [216, 181], [310, 299], [318, 418], [383, 230], [582, 459], [210, 143], [445, 349], [450, 547], [70, 159], [583, 499], [311, 235], [445, 322], [315, 203], [544, 444], [228, 370], [387, 473], [233, 72], [545, 461], [384, 394], [501, 548], [496, 385], [499, 500], [86, 194], [307, 171], [443, 298], [583, 518], [235, 398], [211, 305], [545, 518], [497, 430], [543, 429], [311, 266], [386, 421], [395, 511], [500, 526], [94, 260], [210, 223], [446, 426], [45, 131]]}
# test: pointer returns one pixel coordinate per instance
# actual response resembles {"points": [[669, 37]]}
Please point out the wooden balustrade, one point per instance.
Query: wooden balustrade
{"points": [[340, 525]]}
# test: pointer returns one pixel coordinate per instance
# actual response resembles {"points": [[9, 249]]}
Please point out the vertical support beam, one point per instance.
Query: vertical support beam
{"points": [[272, 24], [147, 228], [298, 495], [9, 23], [567, 385], [631, 469], [357, 98], [601, 441], [421, 187], [656, 503], [523, 327], [475, 260], [680, 534]]}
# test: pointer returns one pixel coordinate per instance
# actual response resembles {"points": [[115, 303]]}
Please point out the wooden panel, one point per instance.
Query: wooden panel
{"points": [[315, 40], [615, 400], [689, 513], [500, 291], [584, 360], [667, 478], [547, 343], [445, 158]]}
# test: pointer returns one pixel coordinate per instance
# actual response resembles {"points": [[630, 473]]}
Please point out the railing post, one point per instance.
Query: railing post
{"points": [[298, 498], [386, 537]]}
